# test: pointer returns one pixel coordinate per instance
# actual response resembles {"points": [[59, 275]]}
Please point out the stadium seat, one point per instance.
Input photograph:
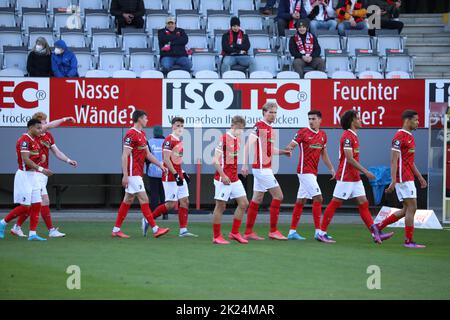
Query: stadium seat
{"points": [[133, 38], [5, 3], [203, 60], [34, 33], [124, 74], [388, 39], [197, 39], [336, 60], [89, 4], [267, 60], [151, 74], [357, 39], [259, 39], [141, 60], [84, 59], [206, 74], [178, 74], [237, 5], [206, 5], [11, 72], [251, 20], [233, 74], [73, 37], [399, 60], [15, 57], [10, 36], [103, 38], [343, 75], [154, 20], [27, 4], [7, 17], [367, 60], [398, 75], [328, 40], [217, 20], [179, 4], [284, 41], [261, 75], [110, 59], [63, 19], [370, 75], [188, 19], [316, 75], [34, 17], [153, 4], [97, 74], [55, 4], [96, 19], [288, 75], [217, 40]]}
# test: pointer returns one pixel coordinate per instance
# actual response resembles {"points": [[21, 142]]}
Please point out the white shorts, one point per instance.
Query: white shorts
{"points": [[308, 187], [135, 185], [174, 192], [43, 179], [226, 192], [27, 189], [406, 190], [349, 189], [264, 180]]}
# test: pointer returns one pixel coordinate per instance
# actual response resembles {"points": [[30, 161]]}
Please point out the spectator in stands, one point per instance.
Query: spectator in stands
{"points": [[39, 61], [289, 11], [64, 61], [172, 47], [128, 13], [351, 15], [321, 14], [305, 49], [390, 12], [268, 9], [235, 46]]}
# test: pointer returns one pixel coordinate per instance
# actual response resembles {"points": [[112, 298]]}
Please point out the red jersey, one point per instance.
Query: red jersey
{"points": [[175, 146], [404, 143], [46, 141], [27, 144], [347, 172], [229, 147], [264, 145], [136, 141], [311, 144]]}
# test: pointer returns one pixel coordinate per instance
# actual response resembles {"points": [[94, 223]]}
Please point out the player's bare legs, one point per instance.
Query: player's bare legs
{"points": [[252, 213], [148, 216], [277, 198]]}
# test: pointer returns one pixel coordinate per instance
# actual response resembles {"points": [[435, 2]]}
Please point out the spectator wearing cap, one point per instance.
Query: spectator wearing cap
{"points": [[128, 13], [305, 49], [64, 61], [351, 15], [172, 47], [322, 14], [390, 12], [39, 61], [289, 11], [235, 47]]}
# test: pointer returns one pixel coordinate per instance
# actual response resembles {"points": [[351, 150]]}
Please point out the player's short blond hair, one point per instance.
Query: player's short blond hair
{"points": [[268, 105], [39, 116], [238, 120]]}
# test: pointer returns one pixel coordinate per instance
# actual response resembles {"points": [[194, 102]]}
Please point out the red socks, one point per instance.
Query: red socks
{"points": [[148, 214], [17, 211], [365, 214], [387, 221], [409, 231], [34, 215], [183, 217], [45, 214], [329, 213], [236, 226], [274, 213], [161, 209], [317, 213], [121, 215], [216, 230], [296, 214], [252, 212], [22, 218]]}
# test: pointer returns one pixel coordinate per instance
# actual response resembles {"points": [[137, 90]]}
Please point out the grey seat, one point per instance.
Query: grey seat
{"points": [[133, 38], [96, 18], [10, 36], [188, 19], [357, 39], [197, 38], [251, 20], [73, 37], [34, 17], [110, 60], [15, 58], [7, 17], [34, 33], [267, 60], [103, 38], [155, 19], [141, 60], [366, 60], [84, 59], [203, 60], [336, 60]]}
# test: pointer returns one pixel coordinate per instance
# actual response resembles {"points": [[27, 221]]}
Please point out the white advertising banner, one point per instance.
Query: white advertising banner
{"points": [[423, 219]]}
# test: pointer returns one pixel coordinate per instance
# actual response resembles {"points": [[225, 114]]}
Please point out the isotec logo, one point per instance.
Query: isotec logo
{"points": [[19, 94]]}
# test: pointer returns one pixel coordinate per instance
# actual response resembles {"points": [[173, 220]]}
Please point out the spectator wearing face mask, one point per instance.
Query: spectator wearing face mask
{"points": [[39, 63], [64, 61]]}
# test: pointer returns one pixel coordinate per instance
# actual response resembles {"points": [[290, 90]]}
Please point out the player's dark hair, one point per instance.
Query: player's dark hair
{"points": [[315, 113], [347, 119], [409, 114], [177, 119], [137, 114], [32, 122]]}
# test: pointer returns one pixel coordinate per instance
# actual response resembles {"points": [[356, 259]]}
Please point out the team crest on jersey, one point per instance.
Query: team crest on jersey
{"points": [[24, 145], [128, 141]]}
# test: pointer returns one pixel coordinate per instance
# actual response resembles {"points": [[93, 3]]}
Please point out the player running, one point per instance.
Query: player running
{"points": [[403, 171], [175, 180], [349, 184], [47, 143], [135, 151], [226, 182], [263, 137], [313, 144], [27, 188]]}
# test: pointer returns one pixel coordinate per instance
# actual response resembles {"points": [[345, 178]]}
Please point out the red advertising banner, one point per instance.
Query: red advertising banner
{"points": [[105, 102], [379, 102]]}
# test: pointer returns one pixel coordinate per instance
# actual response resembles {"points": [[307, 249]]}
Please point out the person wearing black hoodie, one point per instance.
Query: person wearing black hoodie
{"points": [[305, 49], [39, 62], [128, 13], [235, 47]]}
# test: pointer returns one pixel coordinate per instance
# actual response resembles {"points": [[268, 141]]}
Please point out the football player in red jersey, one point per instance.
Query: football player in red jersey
{"points": [[27, 189], [403, 170], [135, 151], [263, 137], [349, 184], [226, 182], [312, 143], [175, 180], [47, 143]]}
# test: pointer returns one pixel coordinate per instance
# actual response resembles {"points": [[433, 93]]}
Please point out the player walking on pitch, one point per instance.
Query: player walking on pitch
{"points": [[135, 151], [349, 184], [403, 170], [263, 137], [226, 182], [27, 188], [47, 143], [175, 180], [312, 143]]}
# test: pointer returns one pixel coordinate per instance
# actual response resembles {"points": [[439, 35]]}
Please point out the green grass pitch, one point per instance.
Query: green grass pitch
{"points": [[175, 268]]}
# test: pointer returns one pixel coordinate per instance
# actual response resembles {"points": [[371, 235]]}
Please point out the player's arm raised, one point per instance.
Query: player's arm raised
{"points": [[150, 157], [250, 144], [351, 160], [125, 154], [32, 164], [61, 156], [423, 182], [395, 155], [327, 161], [216, 161], [57, 123]]}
